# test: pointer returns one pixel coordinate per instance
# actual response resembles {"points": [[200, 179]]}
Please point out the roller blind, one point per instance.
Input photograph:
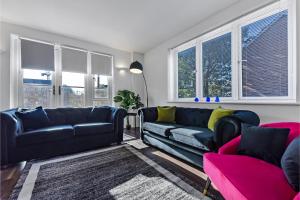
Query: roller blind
{"points": [[101, 64], [35, 55], [74, 60]]}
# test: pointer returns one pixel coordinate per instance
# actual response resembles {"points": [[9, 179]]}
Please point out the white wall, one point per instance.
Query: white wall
{"points": [[122, 59], [156, 64]]}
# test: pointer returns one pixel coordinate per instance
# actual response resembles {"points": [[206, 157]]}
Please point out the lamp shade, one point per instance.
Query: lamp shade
{"points": [[136, 68]]}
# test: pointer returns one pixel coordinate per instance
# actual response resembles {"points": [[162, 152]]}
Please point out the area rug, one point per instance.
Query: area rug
{"points": [[120, 173]]}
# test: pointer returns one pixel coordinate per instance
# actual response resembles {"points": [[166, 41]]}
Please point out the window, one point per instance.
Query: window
{"points": [[265, 57], [37, 65], [187, 73], [216, 65], [250, 59], [53, 76], [37, 88], [100, 87], [73, 89]]}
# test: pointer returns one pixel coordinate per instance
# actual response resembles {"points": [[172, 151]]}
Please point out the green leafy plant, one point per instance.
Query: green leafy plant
{"points": [[128, 100]]}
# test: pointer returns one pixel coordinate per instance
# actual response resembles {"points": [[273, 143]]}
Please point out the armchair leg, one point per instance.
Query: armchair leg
{"points": [[207, 186]]}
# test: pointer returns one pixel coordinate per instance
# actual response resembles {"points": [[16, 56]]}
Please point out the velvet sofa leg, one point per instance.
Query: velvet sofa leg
{"points": [[207, 186]]}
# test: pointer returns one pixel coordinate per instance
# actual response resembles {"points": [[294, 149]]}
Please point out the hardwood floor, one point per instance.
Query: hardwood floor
{"points": [[190, 174], [9, 177]]}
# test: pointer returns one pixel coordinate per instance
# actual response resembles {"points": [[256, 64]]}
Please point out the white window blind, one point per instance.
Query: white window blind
{"points": [[74, 60], [35, 55], [101, 64]]}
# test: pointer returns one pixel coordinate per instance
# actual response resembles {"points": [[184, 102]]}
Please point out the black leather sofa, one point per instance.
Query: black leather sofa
{"points": [[69, 130], [189, 138]]}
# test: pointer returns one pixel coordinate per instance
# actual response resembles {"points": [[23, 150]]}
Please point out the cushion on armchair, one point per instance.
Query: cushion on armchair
{"points": [[264, 143], [33, 119], [290, 163]]}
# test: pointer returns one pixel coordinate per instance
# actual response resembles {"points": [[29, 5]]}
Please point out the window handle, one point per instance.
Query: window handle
{"points": [[59, 90], [53, 89], [241, 61]]}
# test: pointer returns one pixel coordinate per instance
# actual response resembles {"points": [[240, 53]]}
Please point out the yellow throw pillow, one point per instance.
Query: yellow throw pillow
{"points": [[217, 114], [166, 114]]}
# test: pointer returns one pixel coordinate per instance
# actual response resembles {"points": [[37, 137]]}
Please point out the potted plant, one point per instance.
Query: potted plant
{"points": [[128, 100]]}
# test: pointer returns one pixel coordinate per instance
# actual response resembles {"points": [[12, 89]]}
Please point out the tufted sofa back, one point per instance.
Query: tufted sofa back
{"points": [[72, 116]]}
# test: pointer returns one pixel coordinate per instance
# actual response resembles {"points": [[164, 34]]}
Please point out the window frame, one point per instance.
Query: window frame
{"points": [[180, 49], [256, 16], [205, 38], [236, 56], [16, 75]]}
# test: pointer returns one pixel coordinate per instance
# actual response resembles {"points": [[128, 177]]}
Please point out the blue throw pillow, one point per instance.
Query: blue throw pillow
{"points": [[100, 114], [264, 143], [33, 119], [290, 163]]}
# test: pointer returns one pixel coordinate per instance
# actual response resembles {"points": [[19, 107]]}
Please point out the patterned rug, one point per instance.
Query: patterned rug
{"points": [[119, 172]]}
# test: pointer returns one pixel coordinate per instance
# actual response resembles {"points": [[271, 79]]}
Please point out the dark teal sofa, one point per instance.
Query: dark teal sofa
{"points": [[69, 130], [189, 138]]}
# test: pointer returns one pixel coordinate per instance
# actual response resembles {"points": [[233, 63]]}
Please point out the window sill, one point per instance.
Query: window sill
{"points": [[242, 102]]}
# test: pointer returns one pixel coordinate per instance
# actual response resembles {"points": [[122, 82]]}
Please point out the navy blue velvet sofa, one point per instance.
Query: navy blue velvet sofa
{"points": [[189, 138], [69, 130]]}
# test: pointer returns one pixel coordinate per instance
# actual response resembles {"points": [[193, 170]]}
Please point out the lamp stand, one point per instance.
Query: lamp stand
{"points": [[146, 89]]}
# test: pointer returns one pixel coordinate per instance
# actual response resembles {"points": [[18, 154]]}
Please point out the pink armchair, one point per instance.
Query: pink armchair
{"points": [[240, 177]]}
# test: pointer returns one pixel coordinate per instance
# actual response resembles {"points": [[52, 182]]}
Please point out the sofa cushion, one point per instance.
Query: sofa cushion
{"points": [[193, 116], [244, 177], [201, 138], [44, 135], [33, 119], [99, 114], [162, 129], [166, 114], [93, 128], [263, 142], [290, 163], [216, 115]]}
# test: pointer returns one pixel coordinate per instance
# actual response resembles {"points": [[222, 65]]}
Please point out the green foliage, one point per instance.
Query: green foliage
{"points": [[186, 73], [216, 62], [128, 100]]}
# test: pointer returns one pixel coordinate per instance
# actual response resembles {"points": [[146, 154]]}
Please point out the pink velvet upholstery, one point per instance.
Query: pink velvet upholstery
{"points": [[240, 177]]}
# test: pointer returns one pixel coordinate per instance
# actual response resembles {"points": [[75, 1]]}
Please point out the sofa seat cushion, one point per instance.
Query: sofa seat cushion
{"points": [[243, 177], [201, 138], [93, 129], [162, 129], [45, 135]]}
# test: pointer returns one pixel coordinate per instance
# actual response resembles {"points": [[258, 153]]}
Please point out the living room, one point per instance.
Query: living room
{"points": [[138, 99]]}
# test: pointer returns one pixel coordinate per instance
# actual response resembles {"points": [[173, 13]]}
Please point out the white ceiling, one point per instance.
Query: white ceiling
{"points": [[132, 25]]}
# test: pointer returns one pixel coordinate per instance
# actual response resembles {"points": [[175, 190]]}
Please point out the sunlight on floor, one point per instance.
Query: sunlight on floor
{"points": [[181, 164], [142, 186]]}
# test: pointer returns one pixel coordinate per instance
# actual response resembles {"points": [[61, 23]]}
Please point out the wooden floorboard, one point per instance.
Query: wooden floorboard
{"points": [[9, 177]]}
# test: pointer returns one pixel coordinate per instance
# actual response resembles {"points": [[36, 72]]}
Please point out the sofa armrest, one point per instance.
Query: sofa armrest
{"points": [[226, 129], [229, 127], [10, 127], [230, 147], [117, 118]]}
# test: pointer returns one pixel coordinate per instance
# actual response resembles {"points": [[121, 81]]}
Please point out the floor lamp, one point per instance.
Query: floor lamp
{"points": [[137, 68]]}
